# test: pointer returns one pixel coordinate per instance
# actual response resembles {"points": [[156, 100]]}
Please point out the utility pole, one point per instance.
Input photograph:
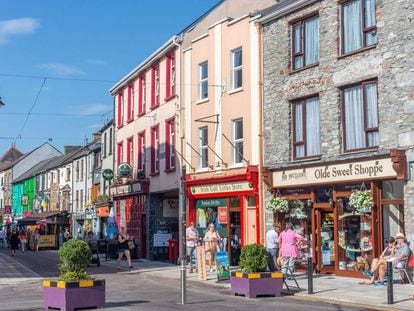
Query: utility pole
{"points": [[182, 237]]}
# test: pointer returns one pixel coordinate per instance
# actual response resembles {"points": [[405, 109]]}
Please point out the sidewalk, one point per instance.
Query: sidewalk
{"points": [[327, 288]]}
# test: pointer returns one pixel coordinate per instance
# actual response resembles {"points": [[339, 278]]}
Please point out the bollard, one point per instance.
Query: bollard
{"points": [[183, 281], [310, 276], [390, 291]]}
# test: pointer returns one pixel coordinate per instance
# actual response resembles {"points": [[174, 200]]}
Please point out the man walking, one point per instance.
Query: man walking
{"points": [[272, 247], [288, 245], [2, 238], [192, 236]]}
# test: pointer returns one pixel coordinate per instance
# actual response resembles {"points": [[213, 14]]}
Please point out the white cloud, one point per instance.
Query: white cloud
{"points": [[62, 69], [90, 109], [96, 62], [18, 26]]}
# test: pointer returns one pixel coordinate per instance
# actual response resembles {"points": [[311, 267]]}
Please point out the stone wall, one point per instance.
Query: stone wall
{"points": [[391, 62]]}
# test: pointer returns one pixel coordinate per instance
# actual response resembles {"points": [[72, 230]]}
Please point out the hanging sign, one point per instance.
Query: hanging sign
{"points": [[211, 202], [124, 170], [222, 215], [108, 174]]}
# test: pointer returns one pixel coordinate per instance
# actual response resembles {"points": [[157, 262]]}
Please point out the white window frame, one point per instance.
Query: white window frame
{"points": [[203, 148], [235, 69], [237, 141], [202, 81]]}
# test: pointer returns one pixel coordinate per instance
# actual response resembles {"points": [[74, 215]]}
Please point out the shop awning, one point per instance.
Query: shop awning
{"points": [[38, 218], [211, 202]]}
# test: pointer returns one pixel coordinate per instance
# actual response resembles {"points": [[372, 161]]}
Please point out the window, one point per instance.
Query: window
{"points": [[105, 146], [203, 81], [360, 116], [306, 128], [120, 109], [170, 79], [82, 163], [237, 137], [141, 151], [142, 96], [120, 153], [155, 150], [81, 198], [236, 69], [155, 100], [130, 150], [170, 144], [67, 174], [203, 146], [359, 28], [305, 42], [110, 142], [77, 200], [131, 101]]}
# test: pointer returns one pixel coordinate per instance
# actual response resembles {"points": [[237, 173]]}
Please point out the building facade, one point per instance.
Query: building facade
{"points": [[337, 118]]}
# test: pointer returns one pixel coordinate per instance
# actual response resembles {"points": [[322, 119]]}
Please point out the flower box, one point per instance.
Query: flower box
{"points": [[252, 285]]}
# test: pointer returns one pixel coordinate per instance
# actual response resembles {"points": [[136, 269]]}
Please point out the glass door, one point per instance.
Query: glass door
{"points": [[325, 242]]}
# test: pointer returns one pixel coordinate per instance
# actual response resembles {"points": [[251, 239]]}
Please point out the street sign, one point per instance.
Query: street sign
{"points": [[124, 170], [108, 174]]}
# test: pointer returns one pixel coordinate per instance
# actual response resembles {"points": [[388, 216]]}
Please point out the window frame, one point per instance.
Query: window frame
{"points": [[364, 103], [170, 70], [131, 100], [120, 152], [120, 110], [155, 150], [364, 29], [237, 141], [302, 102], [202, 148], [234, 70], [170, 156], [302, 52], [130, 150], [142, 95], [155, 86], [201, 81], [141, 151]]}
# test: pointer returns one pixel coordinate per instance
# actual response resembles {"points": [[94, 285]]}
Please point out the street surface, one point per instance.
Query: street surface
{"points": [[148, 287]]}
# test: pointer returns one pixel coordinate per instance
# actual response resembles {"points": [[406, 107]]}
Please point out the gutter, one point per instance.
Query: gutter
{"points": [[145, 64]]}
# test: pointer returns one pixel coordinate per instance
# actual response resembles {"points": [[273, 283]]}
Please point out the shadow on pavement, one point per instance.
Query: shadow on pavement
{"points": [[124, 303], [206, 301]]}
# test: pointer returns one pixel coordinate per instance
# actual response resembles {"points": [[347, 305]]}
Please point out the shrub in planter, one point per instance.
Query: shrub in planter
{"points": [[74, 287], [252, 280]]}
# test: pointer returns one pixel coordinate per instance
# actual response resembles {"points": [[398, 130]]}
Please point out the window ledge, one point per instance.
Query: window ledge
{"points": [[130, 120], [169, 170], [239, 89], [202, 170], [293, 71], [155, 174], [201, 101], [154, 107], [361, 150], [167, 99], [236, 165], [141, 114], [371, 47], [313, 158]]}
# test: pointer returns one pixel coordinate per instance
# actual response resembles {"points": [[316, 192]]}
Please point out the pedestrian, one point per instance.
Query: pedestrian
{"points": [[14, 241], [123, 248], [2, 238], [211, 239], [288, 249], [36, 240], [192, 237], [272, 247], [23, 239], [67, 236], [8, 234]]}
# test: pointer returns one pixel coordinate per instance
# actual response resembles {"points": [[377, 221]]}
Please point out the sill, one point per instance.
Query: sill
{"points": [[202, 170], [305, 159], [201, 101], [233, 91], [371, 47], [155, 174], [360, 150], [141, 114], [293, 71], [169, 170], [120, 125], [237, 165], [167, 99], [130, 120], [154, 107]]}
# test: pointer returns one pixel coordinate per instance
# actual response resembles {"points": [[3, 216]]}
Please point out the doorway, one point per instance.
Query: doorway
{"points": [[235, 239], [325, 240]]}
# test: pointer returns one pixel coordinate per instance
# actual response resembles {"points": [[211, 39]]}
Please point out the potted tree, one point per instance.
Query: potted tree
{"points": [[253, 280], [74, 288]]}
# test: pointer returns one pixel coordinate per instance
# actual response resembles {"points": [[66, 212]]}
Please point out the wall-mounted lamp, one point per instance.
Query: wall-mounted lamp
{"points": [[309, 203], [331, 202]]}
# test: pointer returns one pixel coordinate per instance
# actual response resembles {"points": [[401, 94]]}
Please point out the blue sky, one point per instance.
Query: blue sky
{"points": [[77, 39]]}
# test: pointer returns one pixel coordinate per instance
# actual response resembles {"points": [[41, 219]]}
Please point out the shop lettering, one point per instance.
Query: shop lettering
{"points": [[222, 188], [357, 170]]}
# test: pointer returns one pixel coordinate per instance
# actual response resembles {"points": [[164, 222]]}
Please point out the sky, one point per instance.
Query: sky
{"points": [[58, 59]]}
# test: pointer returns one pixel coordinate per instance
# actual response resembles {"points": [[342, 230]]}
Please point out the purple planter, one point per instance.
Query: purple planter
{"points": [[68, 296], [255, 284]]}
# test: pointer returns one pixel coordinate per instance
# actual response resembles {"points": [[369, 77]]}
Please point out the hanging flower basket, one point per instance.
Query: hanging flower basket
{"points": [[278, 205], [361, 201]]}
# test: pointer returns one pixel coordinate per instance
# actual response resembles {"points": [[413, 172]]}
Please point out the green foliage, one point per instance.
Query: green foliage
{"points": [[102, 198], [278, 205], [361, 201], [253, 258], [74, 257]]}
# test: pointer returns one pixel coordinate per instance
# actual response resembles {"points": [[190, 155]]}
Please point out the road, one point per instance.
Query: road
{"points": [[140, 289]]}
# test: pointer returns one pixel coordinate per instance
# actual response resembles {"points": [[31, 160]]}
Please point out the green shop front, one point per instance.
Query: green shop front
{"points": [[341, 236]]}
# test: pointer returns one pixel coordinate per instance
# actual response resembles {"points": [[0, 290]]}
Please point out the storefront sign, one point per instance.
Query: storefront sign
{"points": [[363, 170], [161, 239], [124, 170], [7, 210], [47, 241], [218, 188], [25, 200], [201, 263], [54, 196], [126, 189], [211, 202], [222, 215], [102, 211], [170, 208], [108, 174], [222, 266]]}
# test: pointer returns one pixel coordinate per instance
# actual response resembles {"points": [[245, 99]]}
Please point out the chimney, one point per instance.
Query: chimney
{"points": [[69, 149], [96, 136]]}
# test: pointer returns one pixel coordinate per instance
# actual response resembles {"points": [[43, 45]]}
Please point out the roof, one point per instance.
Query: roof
{"points": [[108, 124], [283, 8], [33, 171], [10, 155]]}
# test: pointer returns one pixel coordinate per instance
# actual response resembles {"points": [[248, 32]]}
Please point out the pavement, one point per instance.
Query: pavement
{"points": [[15, 271]]}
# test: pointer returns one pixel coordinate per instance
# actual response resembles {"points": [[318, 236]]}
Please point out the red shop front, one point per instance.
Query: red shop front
{"points": [[130, 203], [231, 202]]}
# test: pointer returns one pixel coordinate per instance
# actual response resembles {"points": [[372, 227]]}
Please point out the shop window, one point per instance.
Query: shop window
{"points": [[393, 190], [393, 219], [206, 216], [359, 29], [323, 194], [305, 42], [354, 236], [251, 201], [234, 202]]}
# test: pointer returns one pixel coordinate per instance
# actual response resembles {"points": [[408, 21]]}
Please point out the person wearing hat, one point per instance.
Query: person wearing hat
{"points": [[272, 247], [382, 259], [399, 260]]}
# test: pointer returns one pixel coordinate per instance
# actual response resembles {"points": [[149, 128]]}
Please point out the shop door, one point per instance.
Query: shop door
{"points": [[325, 240], [143, 236], [235, 240]]}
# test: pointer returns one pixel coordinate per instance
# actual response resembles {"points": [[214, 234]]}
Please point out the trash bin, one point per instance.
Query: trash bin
{"points": [[173, 251]]}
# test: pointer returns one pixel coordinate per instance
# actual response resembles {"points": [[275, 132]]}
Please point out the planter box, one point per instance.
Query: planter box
{"points": [[68, 296], [255, 284]]}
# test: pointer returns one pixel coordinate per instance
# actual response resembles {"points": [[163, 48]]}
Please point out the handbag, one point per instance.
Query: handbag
{"points": [[410, 262], [131, 245]]}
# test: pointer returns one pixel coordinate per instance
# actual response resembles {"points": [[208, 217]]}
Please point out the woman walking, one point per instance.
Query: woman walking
{"points": [[211, 239], [123, 248], [14, 241], [23, 239]]}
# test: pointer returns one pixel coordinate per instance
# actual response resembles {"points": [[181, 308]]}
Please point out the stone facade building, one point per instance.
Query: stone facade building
{"points": [[338, 116]]}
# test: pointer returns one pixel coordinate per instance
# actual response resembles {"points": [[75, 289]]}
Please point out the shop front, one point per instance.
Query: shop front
{"points": [[129, 202], [231, 203], [342, 237]]}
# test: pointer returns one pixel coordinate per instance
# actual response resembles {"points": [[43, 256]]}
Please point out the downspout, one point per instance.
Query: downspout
{"points": [[260, 82]]}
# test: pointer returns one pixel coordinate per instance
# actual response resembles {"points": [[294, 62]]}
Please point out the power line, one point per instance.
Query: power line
{"points": [[54, 78], [55, 114]]}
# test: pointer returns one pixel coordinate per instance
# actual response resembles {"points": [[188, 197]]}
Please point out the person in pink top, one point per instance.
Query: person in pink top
{"points": [[288, 248]]}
